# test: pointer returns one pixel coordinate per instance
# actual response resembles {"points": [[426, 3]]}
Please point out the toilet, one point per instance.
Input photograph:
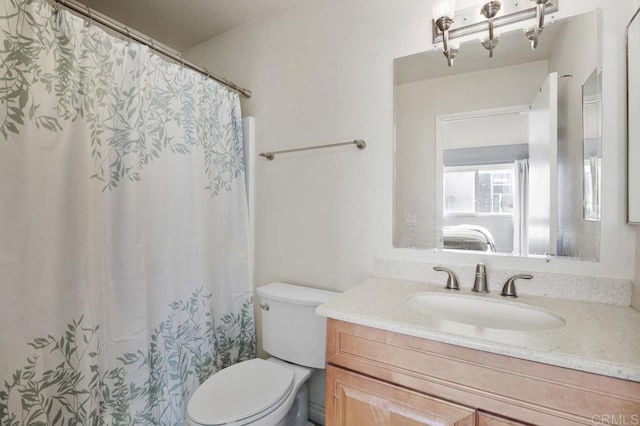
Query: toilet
{"points": [[270, 392]]}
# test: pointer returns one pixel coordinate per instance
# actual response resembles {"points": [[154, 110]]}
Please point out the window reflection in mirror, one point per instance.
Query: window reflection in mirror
{"points": [[514, 181], [478, 195], [479, 190], [497, 164]]}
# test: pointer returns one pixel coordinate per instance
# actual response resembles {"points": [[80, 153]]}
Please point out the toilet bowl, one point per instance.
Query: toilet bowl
{"points": [[256, 392], [269, 392]]}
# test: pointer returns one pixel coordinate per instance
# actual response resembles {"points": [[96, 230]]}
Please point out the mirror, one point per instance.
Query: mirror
{"points": [[490, 155], [633, 118]]}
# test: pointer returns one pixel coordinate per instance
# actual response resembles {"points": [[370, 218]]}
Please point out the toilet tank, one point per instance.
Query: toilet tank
{"points": [[291, 330]]}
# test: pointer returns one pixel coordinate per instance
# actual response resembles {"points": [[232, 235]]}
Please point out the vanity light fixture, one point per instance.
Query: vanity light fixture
{"points": [[490, 43], [489, 10], [449, 25], [533, 34], [444, 10]]}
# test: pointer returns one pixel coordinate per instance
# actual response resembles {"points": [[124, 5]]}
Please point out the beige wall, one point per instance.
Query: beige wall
{"points": [[322, 71]]}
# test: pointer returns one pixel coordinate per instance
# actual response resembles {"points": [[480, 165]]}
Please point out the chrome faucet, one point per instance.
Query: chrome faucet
{"points": [[480, 283], [452, 281], [509, 288]]}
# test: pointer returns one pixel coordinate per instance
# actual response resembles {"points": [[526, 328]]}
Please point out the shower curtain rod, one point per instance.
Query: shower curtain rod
{"points": [[118, 27]]}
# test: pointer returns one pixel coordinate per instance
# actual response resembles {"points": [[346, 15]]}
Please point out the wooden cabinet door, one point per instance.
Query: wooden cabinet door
{"points": [[486, 419], [539, 394], [356, 400]]}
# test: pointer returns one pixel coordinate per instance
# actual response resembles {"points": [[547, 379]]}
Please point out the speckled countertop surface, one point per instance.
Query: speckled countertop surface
{"points": [[597, 338]]}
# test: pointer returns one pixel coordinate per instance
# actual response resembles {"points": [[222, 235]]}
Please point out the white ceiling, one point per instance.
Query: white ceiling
{"points": [[182, 24]]}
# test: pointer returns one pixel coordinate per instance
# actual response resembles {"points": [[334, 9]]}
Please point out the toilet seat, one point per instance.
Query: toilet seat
{"points": [[240, 393]]}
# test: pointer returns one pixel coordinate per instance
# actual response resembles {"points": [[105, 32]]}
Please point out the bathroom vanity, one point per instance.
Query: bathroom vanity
{"points": [[392, 364]]}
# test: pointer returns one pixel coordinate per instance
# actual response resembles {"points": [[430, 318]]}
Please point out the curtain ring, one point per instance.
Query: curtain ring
{"points": [[128, 35], [206, 72], [152, 45], [228, 84], [181, 60], [88, 24]]}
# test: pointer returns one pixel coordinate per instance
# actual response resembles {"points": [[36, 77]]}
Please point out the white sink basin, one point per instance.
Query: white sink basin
{"points": [[484, 312]]}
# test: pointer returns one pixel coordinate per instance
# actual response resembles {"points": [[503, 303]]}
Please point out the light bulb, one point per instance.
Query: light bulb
{"points": [[442, 8]]}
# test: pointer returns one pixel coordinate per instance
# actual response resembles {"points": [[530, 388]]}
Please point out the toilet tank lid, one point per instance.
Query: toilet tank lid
{"points": [[296, 294]]}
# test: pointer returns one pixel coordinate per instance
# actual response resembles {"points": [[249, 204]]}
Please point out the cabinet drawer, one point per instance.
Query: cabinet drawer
{"points": [[486, 419], [519, 389], [356, 400]]}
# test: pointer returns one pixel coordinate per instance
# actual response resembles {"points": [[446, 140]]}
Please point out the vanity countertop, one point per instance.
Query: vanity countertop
{"points": [[597, 338]]}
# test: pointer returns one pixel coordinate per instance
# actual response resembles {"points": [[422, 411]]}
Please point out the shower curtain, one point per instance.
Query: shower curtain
{"points": [[124, 271]]}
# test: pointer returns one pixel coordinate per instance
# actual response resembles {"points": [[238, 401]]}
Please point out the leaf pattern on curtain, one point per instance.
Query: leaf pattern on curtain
{"points": [[83, 112], [181, 350], [89, 76]]}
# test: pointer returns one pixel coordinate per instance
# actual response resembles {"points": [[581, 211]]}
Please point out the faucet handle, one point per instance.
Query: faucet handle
{"points": [[452, 281], [509, 288]]}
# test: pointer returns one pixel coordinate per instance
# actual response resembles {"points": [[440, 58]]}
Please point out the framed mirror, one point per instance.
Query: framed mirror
{"points": [[633, 118], [490, 154]]}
